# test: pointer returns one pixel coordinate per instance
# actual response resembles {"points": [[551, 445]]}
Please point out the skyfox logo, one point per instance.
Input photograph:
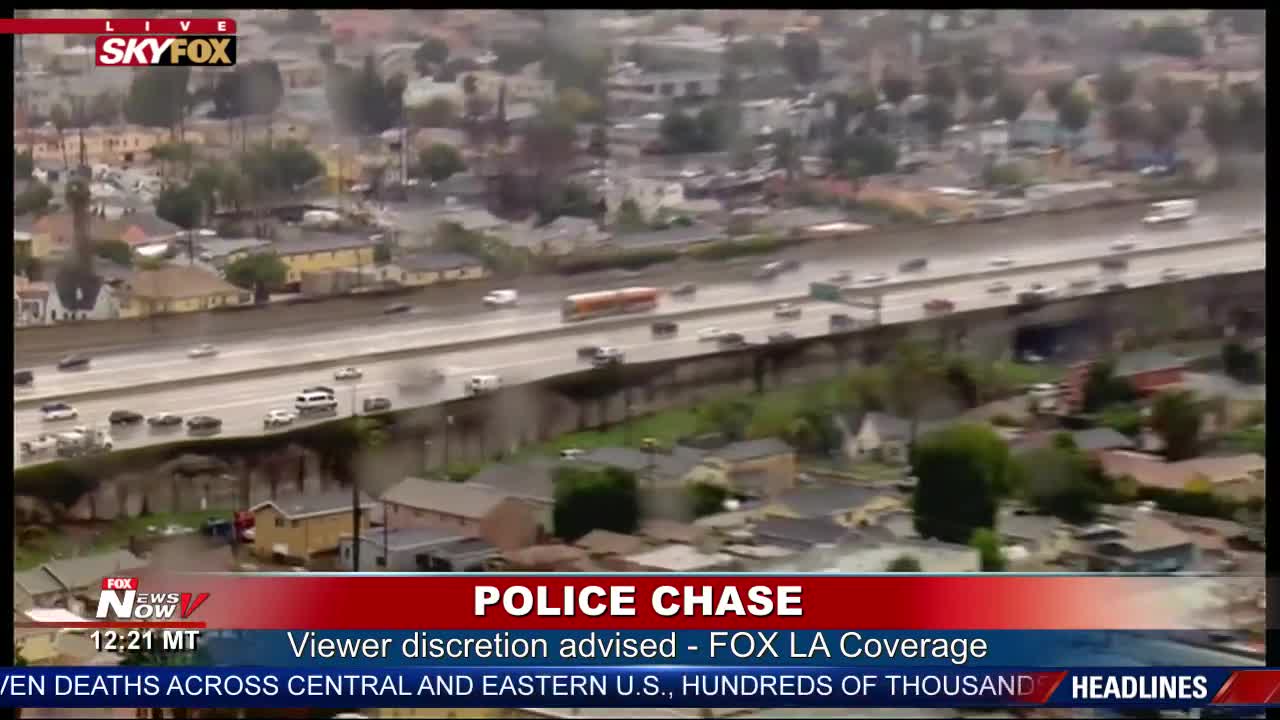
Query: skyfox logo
{"points": [[178, 50]]}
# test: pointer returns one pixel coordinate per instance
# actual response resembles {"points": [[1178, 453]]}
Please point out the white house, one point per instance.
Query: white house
{"points": [[884, 437], [649, 194], [764, 117]]}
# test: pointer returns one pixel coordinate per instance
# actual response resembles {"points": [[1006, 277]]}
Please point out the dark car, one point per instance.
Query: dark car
{"points": [[914, 265], [684, 290], [1114, 264], [588, 351], [789, 265], [397, 308], [74, 362], [1031, 298], [664, 328], [377, 404], [164, 420], [23, 377], [732, 339], [840, 321], [124, 417], [782, 337], [204, 423], [1116, 287]]}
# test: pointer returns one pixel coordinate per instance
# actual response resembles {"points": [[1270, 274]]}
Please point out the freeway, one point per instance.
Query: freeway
{"points": [[242, 403], [955, 256]]}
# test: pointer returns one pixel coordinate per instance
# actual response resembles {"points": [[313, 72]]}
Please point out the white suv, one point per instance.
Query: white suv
{"points": [[279, 418], [55, 412], [315, 401]]}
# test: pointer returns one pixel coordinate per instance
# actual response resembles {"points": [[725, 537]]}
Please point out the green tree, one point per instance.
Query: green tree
{"points": [[1058, 92], [514, 56], [158, 97], [182, 206], [729, 417], [1168, 119], [1218, 122], [382, 253], [940, 84], [937, 117], [1102, 388], [990, 553], [1124, 419], [785, 154], [598, 143], [979, 85], [1010, 103], [23, 164], [259, 273], [962, 471], [914, 372], [33, 200], [255, 88], [706, 498], [589, 499], [895, 86], [1176, 417], [440, 162], [1251, 117], [280, 169], [1060, 482], [875, 155], [679, 132], [117, 251], [104, 108], [1241, 363], [1115, 85], [432, 52], [303, 21], [630, 219], [803, 57], [438, 112], [1074, 112], [904, 564], [1171, 37]]}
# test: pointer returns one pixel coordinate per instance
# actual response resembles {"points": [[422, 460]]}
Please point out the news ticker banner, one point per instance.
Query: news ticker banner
{"points": [[632, 687], [134, 42], [572, 602]]}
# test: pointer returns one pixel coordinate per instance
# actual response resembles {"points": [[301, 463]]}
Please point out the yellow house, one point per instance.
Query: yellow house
{"points": [[119, 144], [430, 268], [32, 244], [314, 252], [310, 525], [766, 466], [176, 289]]}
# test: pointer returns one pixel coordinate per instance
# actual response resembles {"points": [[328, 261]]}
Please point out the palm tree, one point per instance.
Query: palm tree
{"points": [[913, 373], [784, 152], [61, 120]]}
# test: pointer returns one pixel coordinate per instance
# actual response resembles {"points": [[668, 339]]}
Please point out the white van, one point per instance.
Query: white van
{"points": [[481, 384], [312, 401]]}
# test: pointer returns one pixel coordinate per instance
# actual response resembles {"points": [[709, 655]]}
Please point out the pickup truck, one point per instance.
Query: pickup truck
{"points": [[42, 443]]}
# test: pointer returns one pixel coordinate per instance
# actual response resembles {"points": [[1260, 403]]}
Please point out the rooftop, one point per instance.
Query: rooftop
{"points": [[680, 558], [411, 538], [177, 281], [533, 480], [311, 241], [464, 500], [823, 501], [316, 505], [437, 262]]}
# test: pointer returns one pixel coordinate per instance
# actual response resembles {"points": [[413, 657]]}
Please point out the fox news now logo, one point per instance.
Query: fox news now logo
{"points": [[121, 600], [159, 50]]}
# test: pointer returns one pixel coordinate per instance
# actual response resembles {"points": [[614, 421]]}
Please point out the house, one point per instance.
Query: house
{"points": [[548, 558], [470, 554], [609, 548], [884, 437], [314, 251], [676, 238], [650, 194], [176, 289], [54, 234], [1028, 537], [385, 550], [56, 580], [851, 506], [1149, 371], [298, 72], [121, 144], [30, 302], [1237, 476], [661, 531], [800, 533], [471, 510], [875, 556], [311, 525], [51, 645], [429, 268], [1091, 441], [673, 468], [679, 558], [532, 482], [560, 237], [1144, 543], [28, 243], [768, 463]]}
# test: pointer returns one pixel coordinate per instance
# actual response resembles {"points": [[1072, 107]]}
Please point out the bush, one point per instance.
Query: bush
{"points": [[744, 247], [633, 260]]}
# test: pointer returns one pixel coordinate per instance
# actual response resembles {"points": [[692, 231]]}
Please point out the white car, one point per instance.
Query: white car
{"points": [[279, 418], [41, 444], [787, 311], [841, 277], [998, 287], [1001, 261], [1123, 245], [348, 373], [501, 298], [711, 334], [202, 351], [1083, 283], [1171, 274], [57, 412], [874, 278]]}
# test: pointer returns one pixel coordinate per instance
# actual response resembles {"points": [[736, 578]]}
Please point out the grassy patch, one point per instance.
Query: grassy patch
{"points": [[44, 544]]}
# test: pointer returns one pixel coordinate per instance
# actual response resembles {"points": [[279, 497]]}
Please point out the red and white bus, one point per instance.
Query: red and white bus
{"points": [[583, 306]]}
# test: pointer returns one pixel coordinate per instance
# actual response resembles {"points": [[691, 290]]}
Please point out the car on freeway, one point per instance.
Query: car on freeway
{"points": [[1172, 274], [872, 278], [1001, 261], [789, 265], [397, 309], [939, 305], [732, 339], [1114, 264], [202, 351], [58, 411], [840, 321], [586, 352], [204, 424], [768, 271], [1082, 283], [841, 277], [124, 417], [501, 299], [164, 420], [999, 287], [1254, 230], [684, 290], [607, 356], [376, 403], [1124, 244], [279, 418], [74, 362], [787, 311], [664, 328], [42, 443], [914, 265], [782, 337], [711, 334], [572, 453], [348, 373], [325, 389], [1041, 289], [23, 378]]}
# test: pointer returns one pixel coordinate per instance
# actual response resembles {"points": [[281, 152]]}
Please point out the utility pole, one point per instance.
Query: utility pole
{"points": [[356, 540]]}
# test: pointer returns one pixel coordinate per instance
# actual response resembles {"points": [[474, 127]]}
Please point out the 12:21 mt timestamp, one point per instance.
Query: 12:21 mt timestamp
{"points": [[144, 640]]}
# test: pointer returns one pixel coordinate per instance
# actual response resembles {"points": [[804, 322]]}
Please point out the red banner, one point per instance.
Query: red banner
{"points": [[117, 26], [693, 602]]}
